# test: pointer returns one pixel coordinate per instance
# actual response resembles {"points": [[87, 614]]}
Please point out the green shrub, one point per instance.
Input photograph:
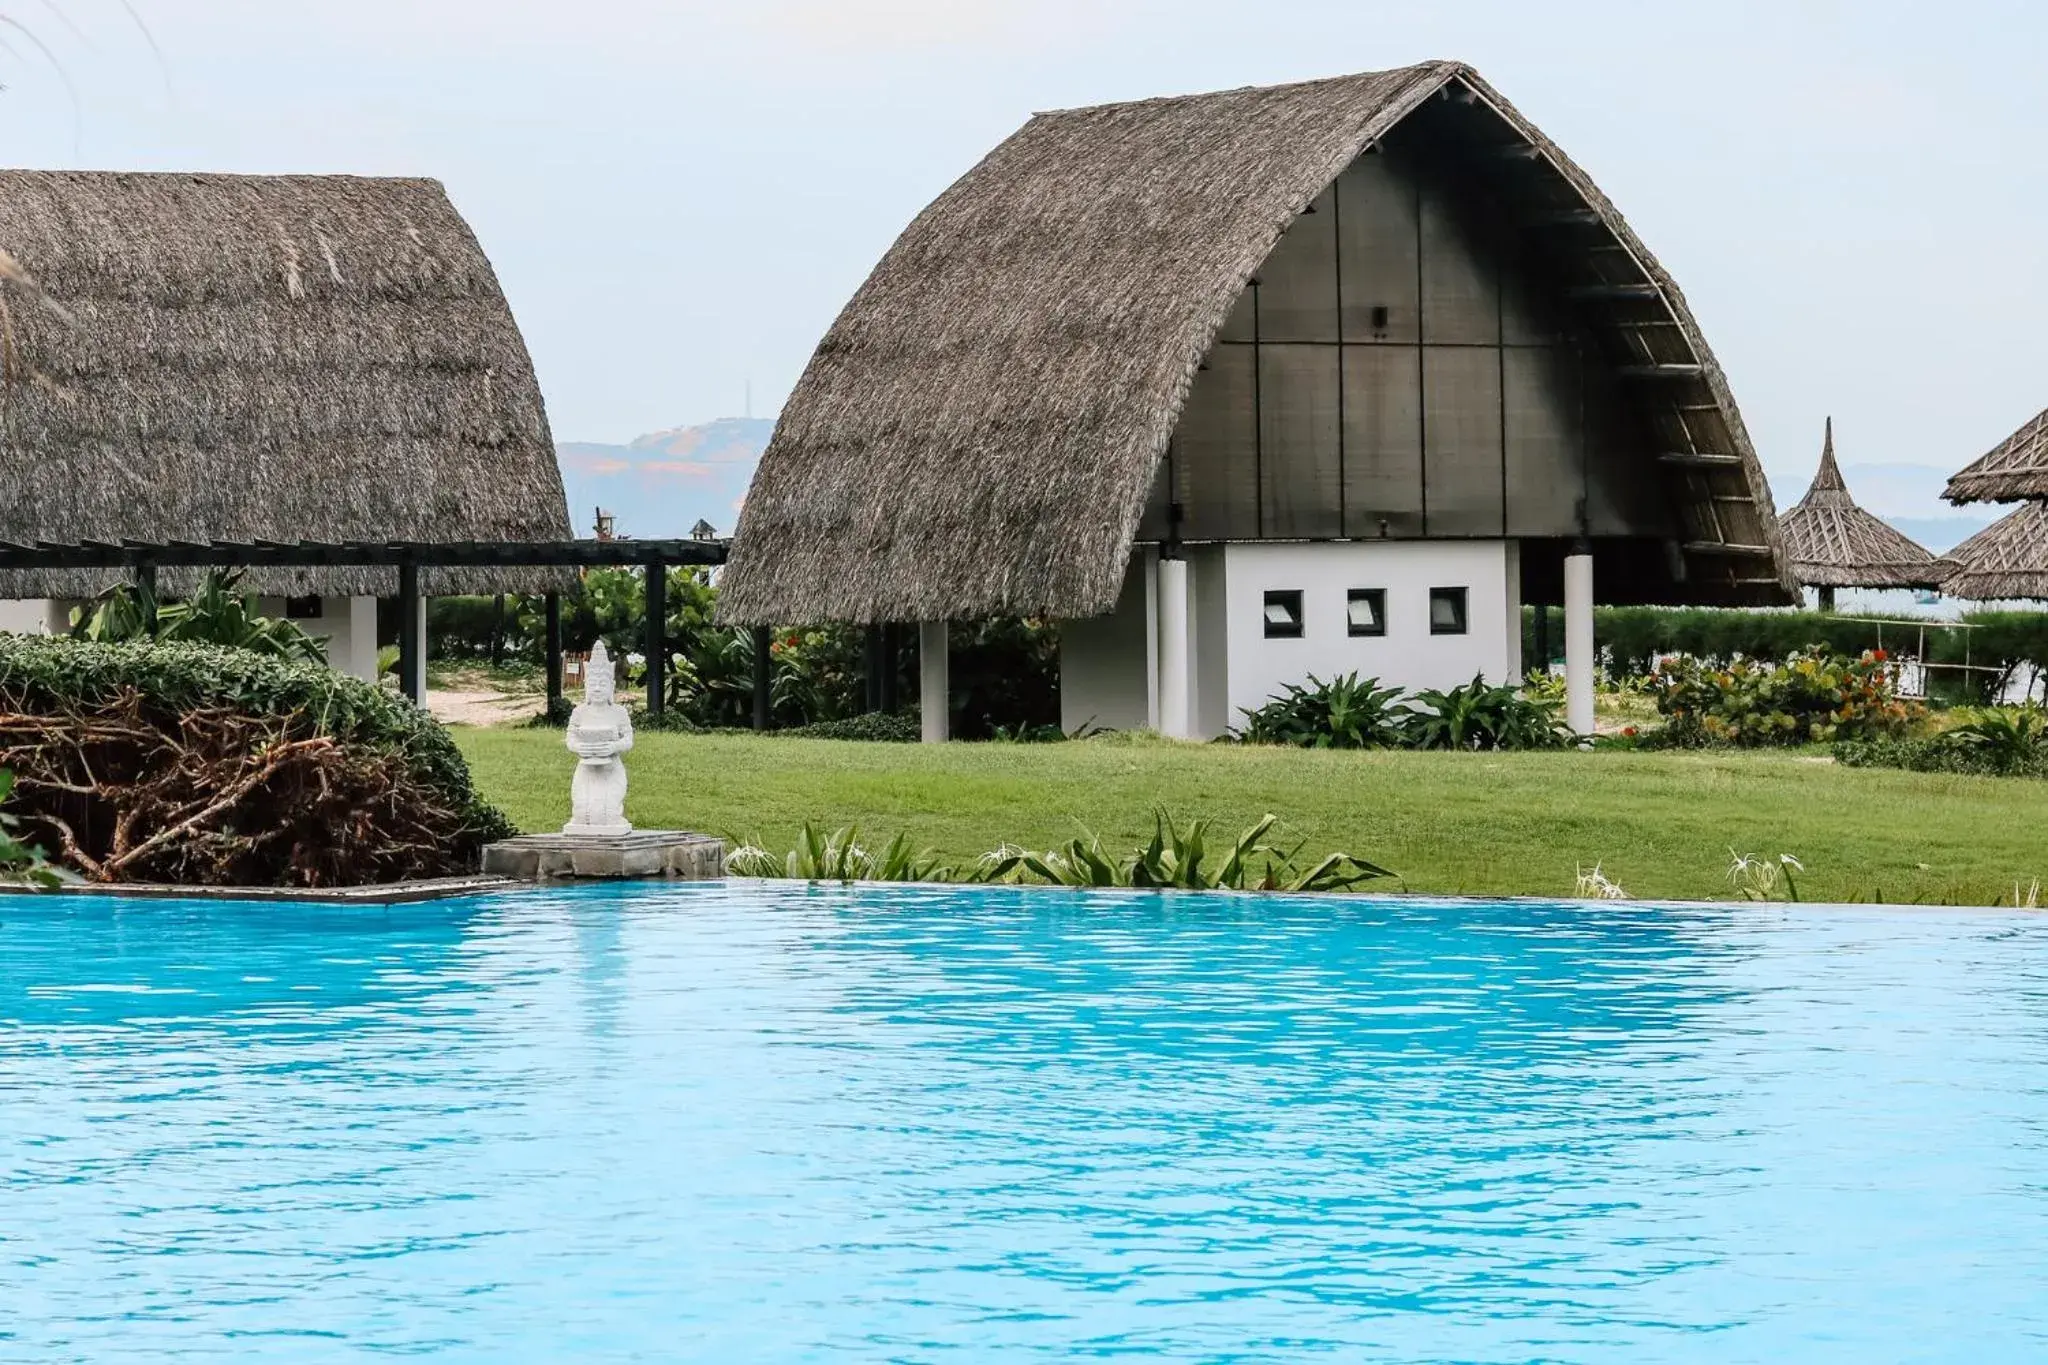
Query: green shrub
{"points": [[117, 743], [1812, 698], [1343, 713], [2009, 742], [875, 728], [1480, 716]]}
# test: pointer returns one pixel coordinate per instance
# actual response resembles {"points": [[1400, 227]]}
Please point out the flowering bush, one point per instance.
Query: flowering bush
{"points": [[1811, 698]]}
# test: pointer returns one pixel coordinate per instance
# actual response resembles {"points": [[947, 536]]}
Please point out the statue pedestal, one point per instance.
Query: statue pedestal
{"points": [[601, 857]]}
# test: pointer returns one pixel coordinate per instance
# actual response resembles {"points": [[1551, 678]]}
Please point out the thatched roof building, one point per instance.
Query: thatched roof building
{"points": [[2007, 559], [2017, 468], [1033, 379], [288, 358], [1833, 543]]}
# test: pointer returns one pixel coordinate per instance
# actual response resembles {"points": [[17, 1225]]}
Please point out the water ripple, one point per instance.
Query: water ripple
{"points": [[762, 1123]]}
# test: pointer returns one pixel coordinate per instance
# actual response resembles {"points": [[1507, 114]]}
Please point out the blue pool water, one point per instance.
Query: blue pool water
{"points": [[767, 1124]]}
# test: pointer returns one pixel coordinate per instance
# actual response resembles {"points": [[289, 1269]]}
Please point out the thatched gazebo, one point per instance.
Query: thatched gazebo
{"points": [[2006, 560], [2009, 558], [2016, 468], [244, 359], [1833, 543], [1320, 377]]}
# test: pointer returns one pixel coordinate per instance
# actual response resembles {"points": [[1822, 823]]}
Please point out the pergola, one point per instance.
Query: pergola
{"points": [[144, 558]]}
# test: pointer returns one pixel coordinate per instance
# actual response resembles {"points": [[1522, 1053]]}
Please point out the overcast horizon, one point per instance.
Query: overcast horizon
{"points": [[679, 197]]}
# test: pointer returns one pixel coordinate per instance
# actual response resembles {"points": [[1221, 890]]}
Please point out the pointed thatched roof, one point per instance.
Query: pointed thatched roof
{"points": [[2007, 559], [978, 432], [233, 358], [2017, 468], [1833, 543]]}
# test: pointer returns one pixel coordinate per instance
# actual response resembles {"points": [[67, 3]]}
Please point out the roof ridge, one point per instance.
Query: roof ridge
{"points": [[1444, 67]]}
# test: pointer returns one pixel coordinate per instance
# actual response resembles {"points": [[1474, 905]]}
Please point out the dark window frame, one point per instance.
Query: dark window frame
{"points": [[1378, 598], [1460, 598], [1291, 599]]}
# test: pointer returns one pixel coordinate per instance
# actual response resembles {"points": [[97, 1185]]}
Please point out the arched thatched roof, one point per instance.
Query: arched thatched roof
{"points": [[2017, 468], [1833, 543], [238, 358], [979, 430], [2007, 559]]}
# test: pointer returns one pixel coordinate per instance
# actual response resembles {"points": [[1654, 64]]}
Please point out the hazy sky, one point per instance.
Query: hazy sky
{"points": [[680, 194]]}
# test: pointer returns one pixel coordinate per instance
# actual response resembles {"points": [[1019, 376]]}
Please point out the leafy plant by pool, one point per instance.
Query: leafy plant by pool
{"points": [[1347, 712], [1176, 857]]}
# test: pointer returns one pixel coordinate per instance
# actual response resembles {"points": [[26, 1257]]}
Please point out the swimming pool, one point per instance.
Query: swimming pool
{"points": [[760, 1122]]}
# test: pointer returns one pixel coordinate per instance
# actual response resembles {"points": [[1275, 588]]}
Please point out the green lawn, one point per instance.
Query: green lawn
{"points": [[1661, 824]]}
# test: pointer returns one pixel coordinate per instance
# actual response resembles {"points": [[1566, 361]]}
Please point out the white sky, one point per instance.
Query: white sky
{"points": [[679, 196]]}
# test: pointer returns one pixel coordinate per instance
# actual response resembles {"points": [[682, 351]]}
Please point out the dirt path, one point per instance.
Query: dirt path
{"points": [[482, 708]]}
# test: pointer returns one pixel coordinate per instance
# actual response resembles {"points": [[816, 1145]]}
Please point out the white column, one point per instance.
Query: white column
{"points": [[1174, 699], [357, 624], [1148, 569], [1579, 663], [934, 681]]}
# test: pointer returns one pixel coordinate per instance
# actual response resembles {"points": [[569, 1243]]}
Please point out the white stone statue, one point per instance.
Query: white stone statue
{"points": [[599, 731]]}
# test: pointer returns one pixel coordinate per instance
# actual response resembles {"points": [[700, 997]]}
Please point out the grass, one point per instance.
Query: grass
{"points": [[1660, 824]]}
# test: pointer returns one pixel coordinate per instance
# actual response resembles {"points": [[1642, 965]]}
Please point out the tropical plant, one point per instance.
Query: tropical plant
{"points": [[1178, 858], [1813, 697], [215, 614], [2007, 738], [1758, 879], [1343, 713], [1481, 716], [837, 857]]}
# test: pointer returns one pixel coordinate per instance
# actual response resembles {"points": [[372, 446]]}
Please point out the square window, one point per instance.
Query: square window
{"points": [[1283, 614], [302, 609], [1365, 611], [1446, 611]]}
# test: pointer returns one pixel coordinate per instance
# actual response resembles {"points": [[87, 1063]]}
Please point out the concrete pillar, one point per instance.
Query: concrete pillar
{"points": [[935, 683], [1176, 668], [1579, 662]]}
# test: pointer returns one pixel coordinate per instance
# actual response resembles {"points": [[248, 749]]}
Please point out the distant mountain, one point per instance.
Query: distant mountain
{"points": [[663, 483]]}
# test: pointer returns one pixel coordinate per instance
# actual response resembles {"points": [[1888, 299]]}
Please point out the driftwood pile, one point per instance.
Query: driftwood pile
{"points": [[215, 796]]}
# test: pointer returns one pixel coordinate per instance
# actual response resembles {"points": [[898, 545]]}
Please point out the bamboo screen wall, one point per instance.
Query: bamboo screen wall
{"points": [[1398, 368]]}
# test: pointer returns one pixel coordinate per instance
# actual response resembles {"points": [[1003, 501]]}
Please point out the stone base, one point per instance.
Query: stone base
{"points": [[586, 857]]}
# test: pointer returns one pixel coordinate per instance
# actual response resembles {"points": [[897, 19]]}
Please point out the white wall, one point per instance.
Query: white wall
{"points": [[1106, 662], [35, 617], [1407, 656], [347, 624]]}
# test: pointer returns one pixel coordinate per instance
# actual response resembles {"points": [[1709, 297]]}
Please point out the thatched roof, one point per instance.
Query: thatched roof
{"points": [[1833, 543], [233, 358], [978, 432], [2017, 468], [2007, 559]]}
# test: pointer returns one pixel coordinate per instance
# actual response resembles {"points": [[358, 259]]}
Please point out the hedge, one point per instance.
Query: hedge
{"points": [[1637, 635]]}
